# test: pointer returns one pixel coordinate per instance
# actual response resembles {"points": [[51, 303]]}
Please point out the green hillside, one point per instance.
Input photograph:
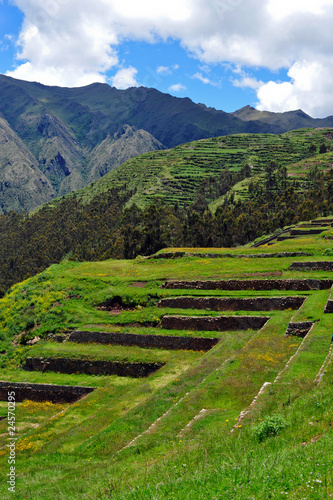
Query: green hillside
{"points": [[218, 192], [249, 416], [62, 139], [177, 174]]}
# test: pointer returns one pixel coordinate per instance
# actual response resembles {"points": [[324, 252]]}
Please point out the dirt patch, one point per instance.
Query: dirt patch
{"points": [[139, 284], [114, 311]]}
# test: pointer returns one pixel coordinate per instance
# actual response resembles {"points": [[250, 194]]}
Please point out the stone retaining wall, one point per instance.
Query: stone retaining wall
{"points": [[177, 255], [304, 232], [230, 304], [284, 238], [97, 367], [145, 341], [289, 284], [323, 221], [329, 306], [208, 323], [43, 392], [299, 329], [317, 266]]}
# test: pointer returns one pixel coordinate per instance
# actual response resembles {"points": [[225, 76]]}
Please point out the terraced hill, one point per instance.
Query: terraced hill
{"points": [[177, 174], [207, 374]]}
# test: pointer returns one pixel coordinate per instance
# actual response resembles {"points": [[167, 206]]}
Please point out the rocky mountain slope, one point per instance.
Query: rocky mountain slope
{"points": [[22, 184]]}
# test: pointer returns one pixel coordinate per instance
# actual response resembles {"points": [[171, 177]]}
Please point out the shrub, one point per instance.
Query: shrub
{"points": [[270, 426]]}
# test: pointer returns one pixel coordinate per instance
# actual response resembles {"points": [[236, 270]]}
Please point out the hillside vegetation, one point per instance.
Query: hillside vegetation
{"points": [[177, 175], [61, 139], [210, 193], [249, 418]]}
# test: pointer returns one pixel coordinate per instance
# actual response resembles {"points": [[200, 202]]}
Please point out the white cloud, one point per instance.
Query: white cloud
{"points": [[247, 82], [199, 76], [309, 88], [167, 70], [245, 79], [163, 69], [125, 78], [204, 79], [64, 43], [67, 42], [177, 87], [55, 76], [280, 9], [172, 10]]}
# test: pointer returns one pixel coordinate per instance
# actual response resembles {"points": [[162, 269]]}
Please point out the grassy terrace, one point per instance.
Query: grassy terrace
{"points": [[176, 174], [168, 436]]}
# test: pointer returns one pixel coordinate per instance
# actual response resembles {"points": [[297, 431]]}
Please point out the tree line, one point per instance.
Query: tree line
{"points": [[105, 228]]}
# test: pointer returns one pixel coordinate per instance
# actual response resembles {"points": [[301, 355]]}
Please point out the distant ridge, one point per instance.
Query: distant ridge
{"points": [[289, 120]]}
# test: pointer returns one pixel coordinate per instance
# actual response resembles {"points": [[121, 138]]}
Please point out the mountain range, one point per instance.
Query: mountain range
{"points": [[55, 140]]}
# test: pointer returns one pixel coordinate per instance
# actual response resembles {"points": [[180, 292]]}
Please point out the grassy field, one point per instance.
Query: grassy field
{"points": [[168, 436]]}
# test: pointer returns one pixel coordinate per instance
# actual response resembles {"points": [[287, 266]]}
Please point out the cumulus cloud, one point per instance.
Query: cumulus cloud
{"points": [[125, 78], [177, 87], [67, 42], [309, 88]]}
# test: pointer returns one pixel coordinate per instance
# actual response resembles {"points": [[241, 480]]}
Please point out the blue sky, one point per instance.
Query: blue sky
{"points": [[166, 65], [11, 19], [271, 54]]}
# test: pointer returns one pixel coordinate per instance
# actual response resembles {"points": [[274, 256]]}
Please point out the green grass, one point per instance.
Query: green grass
{"points": [[97, 351], [79, 451]]}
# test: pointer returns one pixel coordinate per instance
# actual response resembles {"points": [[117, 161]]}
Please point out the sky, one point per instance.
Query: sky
{"points": [[275, 55]]}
